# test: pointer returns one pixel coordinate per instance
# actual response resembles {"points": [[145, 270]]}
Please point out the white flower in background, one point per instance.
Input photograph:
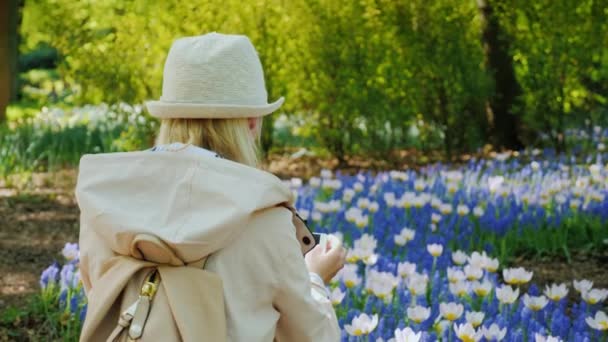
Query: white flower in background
{"points": [[597, 196], [399, 175], [482, 289], [473, 272], [535, 303], [556, 292], [459, 257], [325, 173], [467, 333], [370, 259], [504, 191], [363, 203], [348, 275], [451, 311], [420, 201], [582, 182], [407, 199], [327, 207], [478, 260], [494, 333], [575, 204], [446, 209], [348, 195], [578, 192], [381, 284], [452, 188], [516, 276], [373, 207], [441, 326], [535, 166], [406, 269], [316, 216], [494, 183], [540, 338], [333, 184], [528, 199], [418, 313], [436, 202], [362, 221], [435, 249], [475, 318], [595, 169], [358, 187], [492, 265], [599, 322], [460, 288], [506, 294], [362, 325], [453, 176], [478, 211], [601, 147], [390, 199], [405, 236], [366, 242], [435, 218], [336, 296], [462, 210], [355, 254], [373, 188], [406, 335], [582, 285], [314, 182], [417, 283], [455, 275], [351, 214], [595, 296], [419, 185]]}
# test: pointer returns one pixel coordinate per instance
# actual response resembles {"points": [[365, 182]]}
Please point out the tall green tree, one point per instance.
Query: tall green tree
{"points": [[449, 84], [558, 46]]}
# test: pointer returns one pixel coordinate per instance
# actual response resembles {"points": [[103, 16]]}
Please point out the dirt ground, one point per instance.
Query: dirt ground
{"points": [[36, 223]]}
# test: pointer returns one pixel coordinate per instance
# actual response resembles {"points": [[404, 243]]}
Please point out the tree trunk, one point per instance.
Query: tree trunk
{"points": [[505, 124], [9, 41]]}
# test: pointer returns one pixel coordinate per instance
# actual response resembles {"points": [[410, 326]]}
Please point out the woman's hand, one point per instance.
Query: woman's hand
{"points": [[326, 260]]}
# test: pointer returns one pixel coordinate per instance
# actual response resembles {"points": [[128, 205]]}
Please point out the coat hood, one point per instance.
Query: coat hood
{"points": [[194, 204]]}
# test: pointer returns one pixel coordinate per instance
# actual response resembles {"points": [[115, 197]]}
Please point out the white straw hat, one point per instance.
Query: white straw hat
{"points": [[213, 76]]}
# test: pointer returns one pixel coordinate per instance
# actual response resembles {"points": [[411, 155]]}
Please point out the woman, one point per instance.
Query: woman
{"points": [[195, 221]]}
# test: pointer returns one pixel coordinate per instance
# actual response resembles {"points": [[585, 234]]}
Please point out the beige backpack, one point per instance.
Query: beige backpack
{"points": [[160, 300]]}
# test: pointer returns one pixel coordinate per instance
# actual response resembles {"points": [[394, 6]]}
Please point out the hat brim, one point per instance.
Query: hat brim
{"points": [[175, 110]]}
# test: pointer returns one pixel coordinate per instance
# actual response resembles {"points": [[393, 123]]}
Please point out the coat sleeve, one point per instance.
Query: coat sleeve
{"points": [[306, 313]]}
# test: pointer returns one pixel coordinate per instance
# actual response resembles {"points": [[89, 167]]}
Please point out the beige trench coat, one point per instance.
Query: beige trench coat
{"points": [[198, 206]]}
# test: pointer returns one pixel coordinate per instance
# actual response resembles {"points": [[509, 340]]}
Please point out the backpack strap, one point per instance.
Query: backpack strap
{"points": [[136, 316]]}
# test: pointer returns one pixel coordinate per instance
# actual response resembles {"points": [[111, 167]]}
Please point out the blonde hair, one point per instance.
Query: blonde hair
{"points": [[230, 138]]}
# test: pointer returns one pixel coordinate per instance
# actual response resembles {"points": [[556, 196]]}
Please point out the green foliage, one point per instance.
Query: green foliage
{"points": [[41, 319], [56, 139], [560, 49], [367, 76]]}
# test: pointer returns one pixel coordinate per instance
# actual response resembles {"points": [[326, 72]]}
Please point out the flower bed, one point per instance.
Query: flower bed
{"points": [[428, 249]]}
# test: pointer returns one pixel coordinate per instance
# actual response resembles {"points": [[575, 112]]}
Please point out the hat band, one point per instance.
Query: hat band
{"points": [[253, 102]]}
